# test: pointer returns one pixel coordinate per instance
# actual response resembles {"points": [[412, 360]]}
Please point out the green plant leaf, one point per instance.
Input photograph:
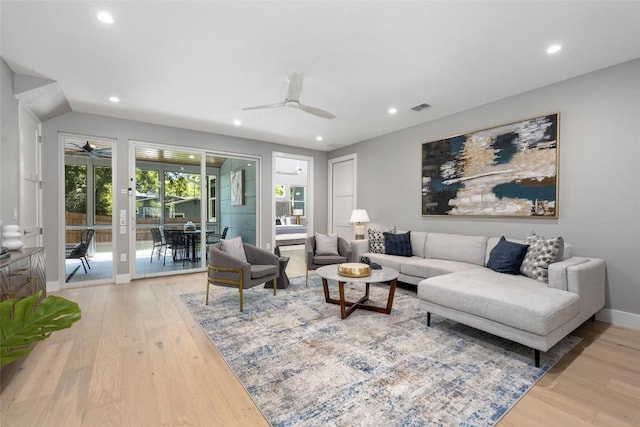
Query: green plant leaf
{"points": [[21, 325]]}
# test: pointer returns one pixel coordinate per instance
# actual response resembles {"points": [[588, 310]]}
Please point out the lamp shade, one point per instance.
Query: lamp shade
{"points": [[359, 215], [298, 212]]}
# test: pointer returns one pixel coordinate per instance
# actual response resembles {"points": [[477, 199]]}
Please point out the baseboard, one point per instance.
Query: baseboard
{"points": [[620, 318], [53, 286], [123, 278]]}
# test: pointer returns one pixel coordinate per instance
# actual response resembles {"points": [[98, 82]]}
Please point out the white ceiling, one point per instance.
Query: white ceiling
{"points": [[196, 64]]}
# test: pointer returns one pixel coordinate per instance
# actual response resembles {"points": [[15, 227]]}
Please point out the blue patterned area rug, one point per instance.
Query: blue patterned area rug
{"points": [[304, 366]]}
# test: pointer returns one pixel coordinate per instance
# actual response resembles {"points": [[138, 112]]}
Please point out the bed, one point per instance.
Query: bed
{"points": [[294, 234]]}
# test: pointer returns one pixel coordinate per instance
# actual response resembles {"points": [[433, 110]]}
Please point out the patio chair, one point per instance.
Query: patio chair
{"points": [[158, 242], [80, 250], [175, 242]]}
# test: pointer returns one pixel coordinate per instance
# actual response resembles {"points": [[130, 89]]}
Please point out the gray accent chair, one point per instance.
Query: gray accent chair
{"points": [[314, 261], [225, 270]]}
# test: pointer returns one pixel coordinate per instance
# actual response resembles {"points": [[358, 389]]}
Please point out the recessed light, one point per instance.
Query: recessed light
{"points": [[393, 110], [319, 138], [105, 17], [554, 48], [191, 156], [114, 99], [237, 122]]}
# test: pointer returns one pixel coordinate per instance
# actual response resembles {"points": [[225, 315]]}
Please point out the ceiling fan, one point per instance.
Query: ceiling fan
{"points": [[92, 151], [297, 171], [292, 100]]}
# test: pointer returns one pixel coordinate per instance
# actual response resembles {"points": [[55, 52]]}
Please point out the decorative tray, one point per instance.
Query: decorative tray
{"points": [[354, 269]]}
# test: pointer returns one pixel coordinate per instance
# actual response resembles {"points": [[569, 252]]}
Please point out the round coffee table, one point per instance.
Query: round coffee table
{"points": [[347, 307]]}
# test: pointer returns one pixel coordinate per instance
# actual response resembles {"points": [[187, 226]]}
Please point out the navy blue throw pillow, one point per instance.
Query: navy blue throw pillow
{"points": [[397, 244], [506, 256]]}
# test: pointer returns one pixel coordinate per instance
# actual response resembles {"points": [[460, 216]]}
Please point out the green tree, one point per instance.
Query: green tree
{"points": [[75, 186], [104, 193]]}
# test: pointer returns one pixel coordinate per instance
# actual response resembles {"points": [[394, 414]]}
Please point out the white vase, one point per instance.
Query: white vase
{"points": [[11, 236]]}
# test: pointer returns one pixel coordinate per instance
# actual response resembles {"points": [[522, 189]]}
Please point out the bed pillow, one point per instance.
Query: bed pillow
{"points": [[234, 248], [506, 257], [397, 244], [541, 253], [326, 244], [376, 241], [278, 222]]}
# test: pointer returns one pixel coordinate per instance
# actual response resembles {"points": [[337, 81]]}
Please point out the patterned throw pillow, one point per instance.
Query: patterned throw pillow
{"points": [[541, 253], [376, 241], [397, 244]]}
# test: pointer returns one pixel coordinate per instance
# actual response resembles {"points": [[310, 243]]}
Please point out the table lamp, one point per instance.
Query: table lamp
{"points": [[298, 213], [359, 216]]}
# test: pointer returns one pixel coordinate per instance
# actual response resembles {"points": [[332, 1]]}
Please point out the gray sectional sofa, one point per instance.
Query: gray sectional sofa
{"points": [[453, 281]]}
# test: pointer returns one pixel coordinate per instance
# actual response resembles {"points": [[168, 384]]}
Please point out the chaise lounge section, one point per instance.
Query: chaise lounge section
{"points": [[453, 281]]}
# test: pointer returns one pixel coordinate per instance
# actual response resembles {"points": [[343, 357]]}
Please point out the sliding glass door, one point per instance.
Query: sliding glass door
{"points": [[183, 204]]}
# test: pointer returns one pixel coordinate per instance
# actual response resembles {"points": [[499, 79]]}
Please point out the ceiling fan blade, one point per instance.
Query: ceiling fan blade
{"points": [[295, 87], [259, 107], [316, 111]]}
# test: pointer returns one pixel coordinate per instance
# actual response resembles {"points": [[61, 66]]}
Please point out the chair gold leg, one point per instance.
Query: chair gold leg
{"points": [[206, 299], [306, 283], [241, 301], [275, 285]]}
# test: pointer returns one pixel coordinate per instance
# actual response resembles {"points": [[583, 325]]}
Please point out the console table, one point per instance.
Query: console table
{"points": [[23, 274]]}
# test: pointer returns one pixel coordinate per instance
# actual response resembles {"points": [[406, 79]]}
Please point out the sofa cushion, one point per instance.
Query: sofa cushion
{"points": [[567, 251], [328, 259], [418, 239], [541, 253], [326, 244], [391, 261], [258, 271], [506, 257], [421, 267], [456, 247], [376, 241], [516, 301], [234, 247], [397, 244]]}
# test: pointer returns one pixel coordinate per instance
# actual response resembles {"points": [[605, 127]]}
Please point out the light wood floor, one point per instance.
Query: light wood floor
{"points": [[137, 358]]}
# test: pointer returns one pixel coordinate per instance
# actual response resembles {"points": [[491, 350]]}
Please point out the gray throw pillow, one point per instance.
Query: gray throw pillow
{"points": [[326, 244], [376, 241], [541, 253], [234, 248]]}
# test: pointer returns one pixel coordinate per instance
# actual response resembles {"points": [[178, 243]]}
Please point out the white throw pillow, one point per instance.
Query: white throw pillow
{"points": [[326, 244], [234, 248], [288, 220]]}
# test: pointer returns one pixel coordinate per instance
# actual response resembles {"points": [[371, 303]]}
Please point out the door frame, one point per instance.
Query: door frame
{"points": [[331, 163], [309, 195], [24, 117], [61, 206]]}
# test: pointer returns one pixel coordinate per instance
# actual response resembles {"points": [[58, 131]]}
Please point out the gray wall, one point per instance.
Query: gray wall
{"points": [[123, 131], [8, 146], [599, 209]]}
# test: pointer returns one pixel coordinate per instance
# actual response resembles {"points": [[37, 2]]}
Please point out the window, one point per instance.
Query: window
{"points": [[211, 212], [298, 198]]}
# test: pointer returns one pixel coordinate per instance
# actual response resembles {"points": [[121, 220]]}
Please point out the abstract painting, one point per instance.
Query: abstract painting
{"points": [[237, 187], [507, 171]]}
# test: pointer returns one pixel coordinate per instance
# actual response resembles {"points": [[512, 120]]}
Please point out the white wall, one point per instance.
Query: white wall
{"points": [[123, 131], [8, 146], [599, 198]]}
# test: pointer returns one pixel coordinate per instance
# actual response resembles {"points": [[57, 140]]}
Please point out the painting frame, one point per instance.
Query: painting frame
{"points": [[505, 171], [236, 181]]}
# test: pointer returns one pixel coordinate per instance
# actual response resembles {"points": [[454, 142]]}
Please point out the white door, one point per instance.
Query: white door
{"points": [[30, 179], [342, 195]]}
